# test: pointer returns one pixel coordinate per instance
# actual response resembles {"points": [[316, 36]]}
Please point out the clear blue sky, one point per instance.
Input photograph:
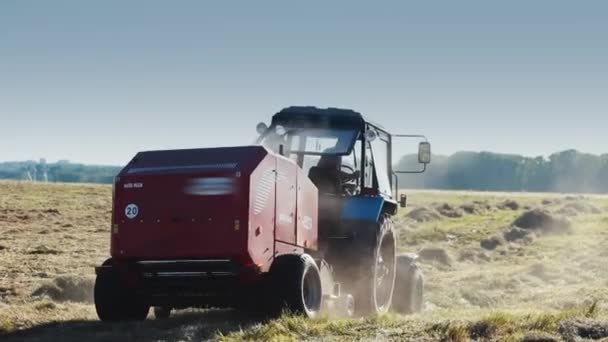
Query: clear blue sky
{"points": [[96, 82]]}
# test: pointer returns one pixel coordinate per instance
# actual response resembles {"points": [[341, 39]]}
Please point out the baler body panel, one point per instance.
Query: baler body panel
{"points": [[286, 183], [307, 212], [261, 213], [173, 224], [222, 203], [192, 204]]}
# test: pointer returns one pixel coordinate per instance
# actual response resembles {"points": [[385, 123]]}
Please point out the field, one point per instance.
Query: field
{"points": [[548, 282]]}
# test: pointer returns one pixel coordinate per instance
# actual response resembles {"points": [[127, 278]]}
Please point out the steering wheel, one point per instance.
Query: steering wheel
{"points": [[349, 168], [350, 186]]}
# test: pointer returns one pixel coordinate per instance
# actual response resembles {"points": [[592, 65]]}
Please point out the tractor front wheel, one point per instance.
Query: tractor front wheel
{"points": [[296, 284]]}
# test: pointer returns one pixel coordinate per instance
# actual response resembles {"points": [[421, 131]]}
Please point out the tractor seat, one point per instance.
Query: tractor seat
{"points": [[326, 181]]}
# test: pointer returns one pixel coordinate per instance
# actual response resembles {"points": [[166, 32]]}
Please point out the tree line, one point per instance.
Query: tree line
{"points": [[64, 172], [567, 171]]}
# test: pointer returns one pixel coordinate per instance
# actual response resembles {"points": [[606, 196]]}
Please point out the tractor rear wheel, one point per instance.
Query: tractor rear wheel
{"points": [[296, 284], [374, 291], [408, 296], [114, 302]]}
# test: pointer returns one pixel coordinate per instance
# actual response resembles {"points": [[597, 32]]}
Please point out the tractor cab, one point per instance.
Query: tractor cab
{"points": [[348, 158]]}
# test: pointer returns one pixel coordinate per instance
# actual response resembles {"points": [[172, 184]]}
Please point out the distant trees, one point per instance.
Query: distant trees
{"points": [[567, 171], [61, 172]]}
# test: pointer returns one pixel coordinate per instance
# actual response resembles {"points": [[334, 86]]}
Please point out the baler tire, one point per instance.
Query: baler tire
{"points": [[162, 312], [296, 285], [408, 296], [366, 292], [114, 303]]}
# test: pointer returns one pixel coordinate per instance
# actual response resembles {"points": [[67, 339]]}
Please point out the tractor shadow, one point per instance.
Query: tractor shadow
{"points": [[191, 326]]}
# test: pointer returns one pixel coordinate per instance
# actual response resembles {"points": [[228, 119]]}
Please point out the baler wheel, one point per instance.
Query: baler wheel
{"points": [[297, 284], [408, 296], [114, 302], [162, 312]]}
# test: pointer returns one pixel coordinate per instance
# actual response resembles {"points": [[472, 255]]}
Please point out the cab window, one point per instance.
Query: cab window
{"points": [[381, 163]]}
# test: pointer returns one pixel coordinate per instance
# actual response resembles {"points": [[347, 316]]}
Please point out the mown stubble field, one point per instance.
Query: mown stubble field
{"points": [[485, 280]]}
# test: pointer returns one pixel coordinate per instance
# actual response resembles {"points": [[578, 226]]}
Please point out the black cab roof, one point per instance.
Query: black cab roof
{"points": [[313, 117]]}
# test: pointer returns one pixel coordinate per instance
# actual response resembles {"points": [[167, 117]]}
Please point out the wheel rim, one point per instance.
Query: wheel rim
{"points": [[384, 275], [311, 292], [350, 306]]}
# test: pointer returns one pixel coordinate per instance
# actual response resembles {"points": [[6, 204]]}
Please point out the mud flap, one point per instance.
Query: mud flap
{"points": [[409, 285]]}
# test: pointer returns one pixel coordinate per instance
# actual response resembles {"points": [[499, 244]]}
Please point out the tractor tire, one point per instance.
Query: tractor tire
{"points": [[114, 302], [374, 289], [408, 296], [296, 285]]}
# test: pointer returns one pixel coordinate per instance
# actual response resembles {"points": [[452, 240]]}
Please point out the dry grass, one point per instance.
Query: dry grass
{"points": [[554, 286], [552, 272], [48, 233]]}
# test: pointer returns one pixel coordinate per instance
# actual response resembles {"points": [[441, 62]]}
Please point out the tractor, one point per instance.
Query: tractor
{"points": [[300, 221]]}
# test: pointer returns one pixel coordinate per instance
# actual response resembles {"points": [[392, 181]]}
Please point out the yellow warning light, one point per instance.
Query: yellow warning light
{"points": [[255, 267]]}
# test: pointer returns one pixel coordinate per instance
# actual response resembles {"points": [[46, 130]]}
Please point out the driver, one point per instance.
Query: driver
{"points": [[328, 175]]}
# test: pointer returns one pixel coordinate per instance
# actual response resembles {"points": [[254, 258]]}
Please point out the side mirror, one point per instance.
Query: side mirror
{"points": [[261, 128], [424, 153]]}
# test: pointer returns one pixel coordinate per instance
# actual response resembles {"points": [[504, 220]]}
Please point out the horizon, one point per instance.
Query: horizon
{"points": [[98, 82], [51, 161]]}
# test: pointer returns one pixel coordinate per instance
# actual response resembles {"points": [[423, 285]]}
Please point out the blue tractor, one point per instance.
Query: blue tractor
{"points": [[349, 159]]}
